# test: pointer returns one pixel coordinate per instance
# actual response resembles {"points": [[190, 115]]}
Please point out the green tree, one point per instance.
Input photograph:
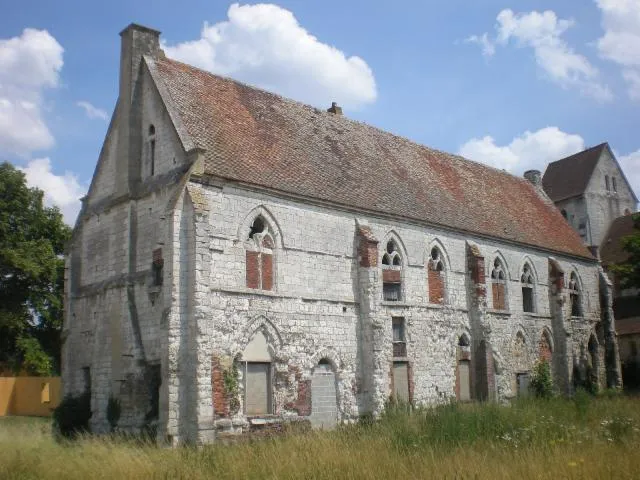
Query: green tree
{"points": [[628, 272], [32, 241]]}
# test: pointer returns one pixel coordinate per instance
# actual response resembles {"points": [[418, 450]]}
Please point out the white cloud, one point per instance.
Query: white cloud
{"points": [[28, 64], [543, 33], [91, 111], [63, 191], [631, 166], [264, 45], [531, 150], [488, 46], [621, 40]]}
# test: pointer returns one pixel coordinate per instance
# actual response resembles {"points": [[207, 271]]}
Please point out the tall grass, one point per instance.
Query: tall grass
{"points": [[530, 439]]}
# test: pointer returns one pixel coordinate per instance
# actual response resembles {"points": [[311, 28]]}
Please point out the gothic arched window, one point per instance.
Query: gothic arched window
{"points": [[260, 247], [574, 295], [498, 285], [391, 273], [528, 293], [435, 273]]}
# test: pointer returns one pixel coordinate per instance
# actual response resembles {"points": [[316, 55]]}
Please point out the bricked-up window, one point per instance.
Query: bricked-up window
{"points": [[399, 340], [152, 149], [259, 256], [528, 294], [157, 267], [574, 295], [435, 273], [391, 273], [498, 285]]}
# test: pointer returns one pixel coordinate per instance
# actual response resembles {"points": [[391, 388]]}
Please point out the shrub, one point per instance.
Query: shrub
{"points": [[72, 415], [541, 382]]}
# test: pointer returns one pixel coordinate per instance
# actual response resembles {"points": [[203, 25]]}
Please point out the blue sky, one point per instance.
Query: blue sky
{"points": [[512, 84]]}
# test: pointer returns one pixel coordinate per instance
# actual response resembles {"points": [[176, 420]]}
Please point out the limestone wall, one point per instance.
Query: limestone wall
{"points": [[315, 309]]}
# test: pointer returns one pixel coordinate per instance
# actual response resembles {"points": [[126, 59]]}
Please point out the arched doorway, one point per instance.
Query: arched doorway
{"points": [[324, 398]]}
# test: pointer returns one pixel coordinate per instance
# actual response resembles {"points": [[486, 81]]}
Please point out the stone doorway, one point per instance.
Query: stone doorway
{"points": [[324, 404]]}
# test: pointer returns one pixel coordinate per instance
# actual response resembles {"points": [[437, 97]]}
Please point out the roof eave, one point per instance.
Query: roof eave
{"points": [[326, 203]]}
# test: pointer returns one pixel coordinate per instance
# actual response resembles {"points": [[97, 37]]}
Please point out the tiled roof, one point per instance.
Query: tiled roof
{"points": [[256, 137], [570, 176], [628, 326], [611, 250]]}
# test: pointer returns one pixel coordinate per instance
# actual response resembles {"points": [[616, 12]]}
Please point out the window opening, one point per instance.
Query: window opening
{"points": [[498, 286], [613, 184], [259, 256], [606, 182], [391, 273], [152, 149], [399, 341], [527, 289], [435, 275], [157, 267], [574, 295]]}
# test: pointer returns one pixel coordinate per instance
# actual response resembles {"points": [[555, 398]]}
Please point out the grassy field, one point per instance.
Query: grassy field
{"points": [[582, 438]]}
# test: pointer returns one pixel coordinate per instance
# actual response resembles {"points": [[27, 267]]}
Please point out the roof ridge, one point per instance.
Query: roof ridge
{"points": [[333, 116], [600, 145]]}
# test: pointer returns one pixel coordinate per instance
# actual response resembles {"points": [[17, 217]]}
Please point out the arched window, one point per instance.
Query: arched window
{"points": [[545, 350], [574, 295], [435, 273], [391, 273], [260, 247], [152, 149], [606, 182], [498, 285], [528, 294]]}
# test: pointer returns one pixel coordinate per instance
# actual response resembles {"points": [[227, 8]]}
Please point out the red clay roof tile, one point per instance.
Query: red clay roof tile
{"points": [[260, 138]]}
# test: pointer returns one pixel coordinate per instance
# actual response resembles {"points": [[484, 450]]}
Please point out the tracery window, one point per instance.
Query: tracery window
{"points": [[574, 295], [498, 285], [259, 256], [528, 297], [391, 273], [435, 273]]}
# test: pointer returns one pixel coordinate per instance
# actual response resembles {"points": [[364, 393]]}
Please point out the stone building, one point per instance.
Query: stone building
{"points": [[591, 191], [241, 258], [626, 301]]}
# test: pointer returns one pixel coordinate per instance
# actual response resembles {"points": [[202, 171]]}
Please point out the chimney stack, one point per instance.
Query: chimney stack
{"points": [[534, 176], [334, 108], [135, 42]]}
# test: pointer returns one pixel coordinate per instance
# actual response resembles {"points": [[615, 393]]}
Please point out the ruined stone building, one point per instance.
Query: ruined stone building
{"points": [[241, 258], [591, 191]]}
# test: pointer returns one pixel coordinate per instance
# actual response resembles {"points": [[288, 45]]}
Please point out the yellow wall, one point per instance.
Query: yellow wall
{"points": [[34, 396]]}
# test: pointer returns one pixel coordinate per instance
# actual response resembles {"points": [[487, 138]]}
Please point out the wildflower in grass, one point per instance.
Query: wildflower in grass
{"points": [[572, 464]]}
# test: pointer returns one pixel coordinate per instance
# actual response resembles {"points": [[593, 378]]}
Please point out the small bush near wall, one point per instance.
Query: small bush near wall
{"points": [[541, 383], [72, 415]]}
